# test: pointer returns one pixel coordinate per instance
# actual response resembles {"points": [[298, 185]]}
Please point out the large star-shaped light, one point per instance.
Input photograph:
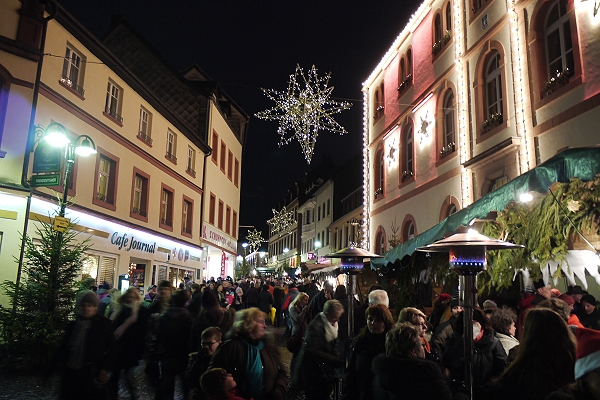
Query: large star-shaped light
{"points": [[281, 222], [301, 112], [254, 240]]}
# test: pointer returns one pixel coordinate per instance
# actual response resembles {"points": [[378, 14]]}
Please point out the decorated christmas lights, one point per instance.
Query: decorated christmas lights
{"points": [[254, 240], [302, 112], [281, 222]]}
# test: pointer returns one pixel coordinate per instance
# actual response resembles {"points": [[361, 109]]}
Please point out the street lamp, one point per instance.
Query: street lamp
{"points": [[468, 258], [317, 247], [56, 135]]}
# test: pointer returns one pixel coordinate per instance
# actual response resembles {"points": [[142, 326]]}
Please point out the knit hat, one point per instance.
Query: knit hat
{"points": [[455, 303], [490, 305], [443, 297], [86, 296], [151, 287], [588, 351]]}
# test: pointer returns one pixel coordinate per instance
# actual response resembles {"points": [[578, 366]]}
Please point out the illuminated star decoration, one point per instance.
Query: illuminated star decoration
{"points": [[254, 240], [301, 112], [281, 222], [423, 129], [392, 153]]}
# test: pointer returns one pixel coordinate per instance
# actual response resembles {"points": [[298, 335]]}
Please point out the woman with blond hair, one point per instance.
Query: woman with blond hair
{"points": [[545, 360], [252, 358]]}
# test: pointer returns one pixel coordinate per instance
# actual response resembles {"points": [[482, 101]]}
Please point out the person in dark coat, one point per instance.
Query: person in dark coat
{"points": [[130, 322], [278, 294], [265, 301], [252, 295], [445, 330], [369, 343], [195, 301], [210, 341], [589, 316], [173, 333], [314, 371], [252, 358], [403, 373], [211, 314], [86, 353], [489, 357], [317, 302]]}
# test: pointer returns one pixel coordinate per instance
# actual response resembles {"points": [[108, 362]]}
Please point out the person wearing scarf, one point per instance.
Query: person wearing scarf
{"points": [[252, 358], [86, 352], [317, 358], [369, 343], [417, 318]]}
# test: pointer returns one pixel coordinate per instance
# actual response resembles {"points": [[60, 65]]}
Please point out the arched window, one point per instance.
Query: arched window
{"points": [[559, 45], [452, 209], [408, 167], [402, 70], [379, 173], [409, 229], [380, 246], [449, 125], [448, 17], [437, 30], [378, 103], [493, 86], [409, 63]]}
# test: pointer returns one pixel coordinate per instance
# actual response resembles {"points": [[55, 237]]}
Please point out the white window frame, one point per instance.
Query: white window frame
{"points": [[103, 178], [137, 194], [559, 24], [114, 97], [145, 125], [449, 131], [493, 78], [72, 73], [191, 160], [171, 145]]}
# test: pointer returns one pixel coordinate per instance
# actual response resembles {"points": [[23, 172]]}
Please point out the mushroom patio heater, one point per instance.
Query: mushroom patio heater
{"points": [[468, 258], [352, 263]]}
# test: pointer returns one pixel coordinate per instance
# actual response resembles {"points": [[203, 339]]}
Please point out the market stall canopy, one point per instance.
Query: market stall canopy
{"points": [[581, 162]]}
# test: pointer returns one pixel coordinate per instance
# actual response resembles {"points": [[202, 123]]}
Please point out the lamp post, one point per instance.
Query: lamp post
{"points": [[352, 263], [56, 135], [467, 252], [285, 251], [317, 247]]}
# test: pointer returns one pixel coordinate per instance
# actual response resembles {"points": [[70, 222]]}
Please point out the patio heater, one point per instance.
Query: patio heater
{"points": [[468, 258], [352, 263]]}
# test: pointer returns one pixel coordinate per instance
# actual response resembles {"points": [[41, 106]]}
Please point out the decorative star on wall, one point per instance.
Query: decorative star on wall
{"points": [[424, 134], [301, 112], [392, 153]]}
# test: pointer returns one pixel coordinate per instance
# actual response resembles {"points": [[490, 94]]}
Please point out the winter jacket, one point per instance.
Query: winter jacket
{"points": [[408, 378], [173, 333], [232, 356], [265, 301], [299, 319], [510, 345], [359, 378]]}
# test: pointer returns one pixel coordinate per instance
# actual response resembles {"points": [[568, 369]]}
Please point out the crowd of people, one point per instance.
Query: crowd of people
{"points": [[213, 338]]}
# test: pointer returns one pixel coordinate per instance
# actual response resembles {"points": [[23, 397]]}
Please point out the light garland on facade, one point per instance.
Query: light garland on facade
{"points": [[461, 89], [254, 240], [366, 178], [303, 112], [281, 222], [518, 60]]}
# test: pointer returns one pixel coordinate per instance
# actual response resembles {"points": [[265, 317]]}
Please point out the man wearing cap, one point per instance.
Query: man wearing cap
{"points": [[445, 330], [577, 292], [150, 296]]}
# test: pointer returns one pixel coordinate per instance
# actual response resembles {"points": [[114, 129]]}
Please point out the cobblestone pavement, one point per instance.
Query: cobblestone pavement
{"points": [[35, 388]]}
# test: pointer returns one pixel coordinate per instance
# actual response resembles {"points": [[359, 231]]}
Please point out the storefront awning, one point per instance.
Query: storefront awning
{"points": [[582, 163]]}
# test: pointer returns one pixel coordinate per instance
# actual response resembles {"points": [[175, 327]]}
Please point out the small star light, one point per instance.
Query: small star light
{"points": [[304, 111], [281, 222], [423, 130], [254, 240]]}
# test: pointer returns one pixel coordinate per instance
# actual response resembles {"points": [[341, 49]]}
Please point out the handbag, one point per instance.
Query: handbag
{"points": [[294, 342]]}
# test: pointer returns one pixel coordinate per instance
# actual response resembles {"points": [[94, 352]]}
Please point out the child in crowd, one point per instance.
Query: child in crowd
{"points": [[218, 384]]}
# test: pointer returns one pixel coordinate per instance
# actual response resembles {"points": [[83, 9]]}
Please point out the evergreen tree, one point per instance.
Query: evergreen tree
{"points": [[42, 303]]}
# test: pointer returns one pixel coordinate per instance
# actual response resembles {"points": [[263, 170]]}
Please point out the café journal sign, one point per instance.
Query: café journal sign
{"points": [[131, 243], [216, 238]]}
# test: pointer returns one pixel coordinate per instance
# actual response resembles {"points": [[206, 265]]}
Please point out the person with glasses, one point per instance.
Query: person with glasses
{"points": [[252, 358], [369, 343], [417, 318], [199, 360]]}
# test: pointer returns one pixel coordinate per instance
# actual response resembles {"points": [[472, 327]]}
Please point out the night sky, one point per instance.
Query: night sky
{"points": [[247, 45]]}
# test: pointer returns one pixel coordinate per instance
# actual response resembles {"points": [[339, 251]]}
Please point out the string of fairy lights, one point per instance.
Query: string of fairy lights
{"points": [[282, 221]]}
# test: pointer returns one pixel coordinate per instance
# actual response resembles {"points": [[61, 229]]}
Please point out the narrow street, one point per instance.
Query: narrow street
{"points": [[28, 388]]}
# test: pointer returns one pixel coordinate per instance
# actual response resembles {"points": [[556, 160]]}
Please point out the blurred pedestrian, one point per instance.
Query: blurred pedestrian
{"points": [[218, 384], [198, 361], [252, 358], [86, 354], [211, 314]]}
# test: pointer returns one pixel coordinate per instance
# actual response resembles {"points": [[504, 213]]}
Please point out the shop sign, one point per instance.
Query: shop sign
{"points": [[214, 237], [46, 158], [124, 242]]}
